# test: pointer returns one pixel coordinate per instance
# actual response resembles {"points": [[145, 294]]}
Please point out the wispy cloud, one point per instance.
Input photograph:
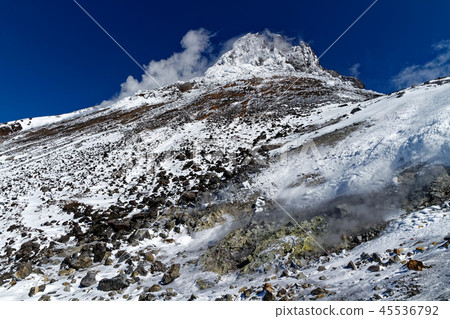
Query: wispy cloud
{"points": [[181, 66], [415, 74], [354, 70]]}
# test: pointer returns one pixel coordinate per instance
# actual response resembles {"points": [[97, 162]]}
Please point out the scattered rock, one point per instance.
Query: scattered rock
{"points": [[284, 273], [116, 283], [351, 265], [149, 257], [281, 292], [268, 287], [248, 293], [89, 279], [374, 268], [146, 297], [158, 266], [377, 258], [188, 197], [36, 290], [154, 288], [205, 284], [171, 274], [364, 256], [99, 251], [356, 109], [140, 271], [269, 296], [24, 270], [321, 268], [45, 298], [77, 262], [394, 260], [301, 276], [319, 291], [192, 298], [415, 265], [323, 278]]}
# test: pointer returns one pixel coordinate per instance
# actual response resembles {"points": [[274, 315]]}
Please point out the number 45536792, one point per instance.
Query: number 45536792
{"points": [[409, 310]]}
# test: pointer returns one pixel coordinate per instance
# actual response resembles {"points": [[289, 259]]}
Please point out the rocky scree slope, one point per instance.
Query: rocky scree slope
{"points": [[167, 194]]}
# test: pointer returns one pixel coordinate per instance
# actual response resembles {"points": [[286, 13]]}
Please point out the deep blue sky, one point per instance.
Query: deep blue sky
{"points": [[53, 59]]}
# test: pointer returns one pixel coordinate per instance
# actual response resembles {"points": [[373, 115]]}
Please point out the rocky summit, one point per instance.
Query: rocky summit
{"points": [[269, 178]]}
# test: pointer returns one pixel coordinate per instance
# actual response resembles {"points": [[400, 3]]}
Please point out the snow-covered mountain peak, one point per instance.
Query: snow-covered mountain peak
{"points": [[257, 54]]}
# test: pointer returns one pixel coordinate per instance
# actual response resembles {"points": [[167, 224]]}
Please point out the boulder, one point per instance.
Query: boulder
{"points": [[99, 251], [116, 283], [140, 271], [172, 274], [154, 288], [269, 296], [364, 256], [79, 262], [36, 290], [24, 270], [319, 291], [351, 265], [89, 279], [374, 268], [415, 265], [146, 297], [158, 266], [377, 258]]}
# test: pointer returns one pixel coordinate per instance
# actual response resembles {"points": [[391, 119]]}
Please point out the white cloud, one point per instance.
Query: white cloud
{"points": [[354, 70], [181, 66], [416, 74]]}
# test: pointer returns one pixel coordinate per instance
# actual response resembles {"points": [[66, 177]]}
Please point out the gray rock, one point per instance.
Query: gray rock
{"points": [[374, 268], [394, 260], [140, 270], [301, 276], [78, 262], [99, 251], [172, 274], [89, 279], [284, 273], [351, 265], [377, 258], [364, 256], [116, 283]]}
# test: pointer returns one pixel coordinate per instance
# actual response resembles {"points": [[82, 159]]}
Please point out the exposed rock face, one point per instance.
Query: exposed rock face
{"points": [[424, 185]]}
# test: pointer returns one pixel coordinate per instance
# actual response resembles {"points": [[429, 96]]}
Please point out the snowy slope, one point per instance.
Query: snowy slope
{"points": [[171, 176]]}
